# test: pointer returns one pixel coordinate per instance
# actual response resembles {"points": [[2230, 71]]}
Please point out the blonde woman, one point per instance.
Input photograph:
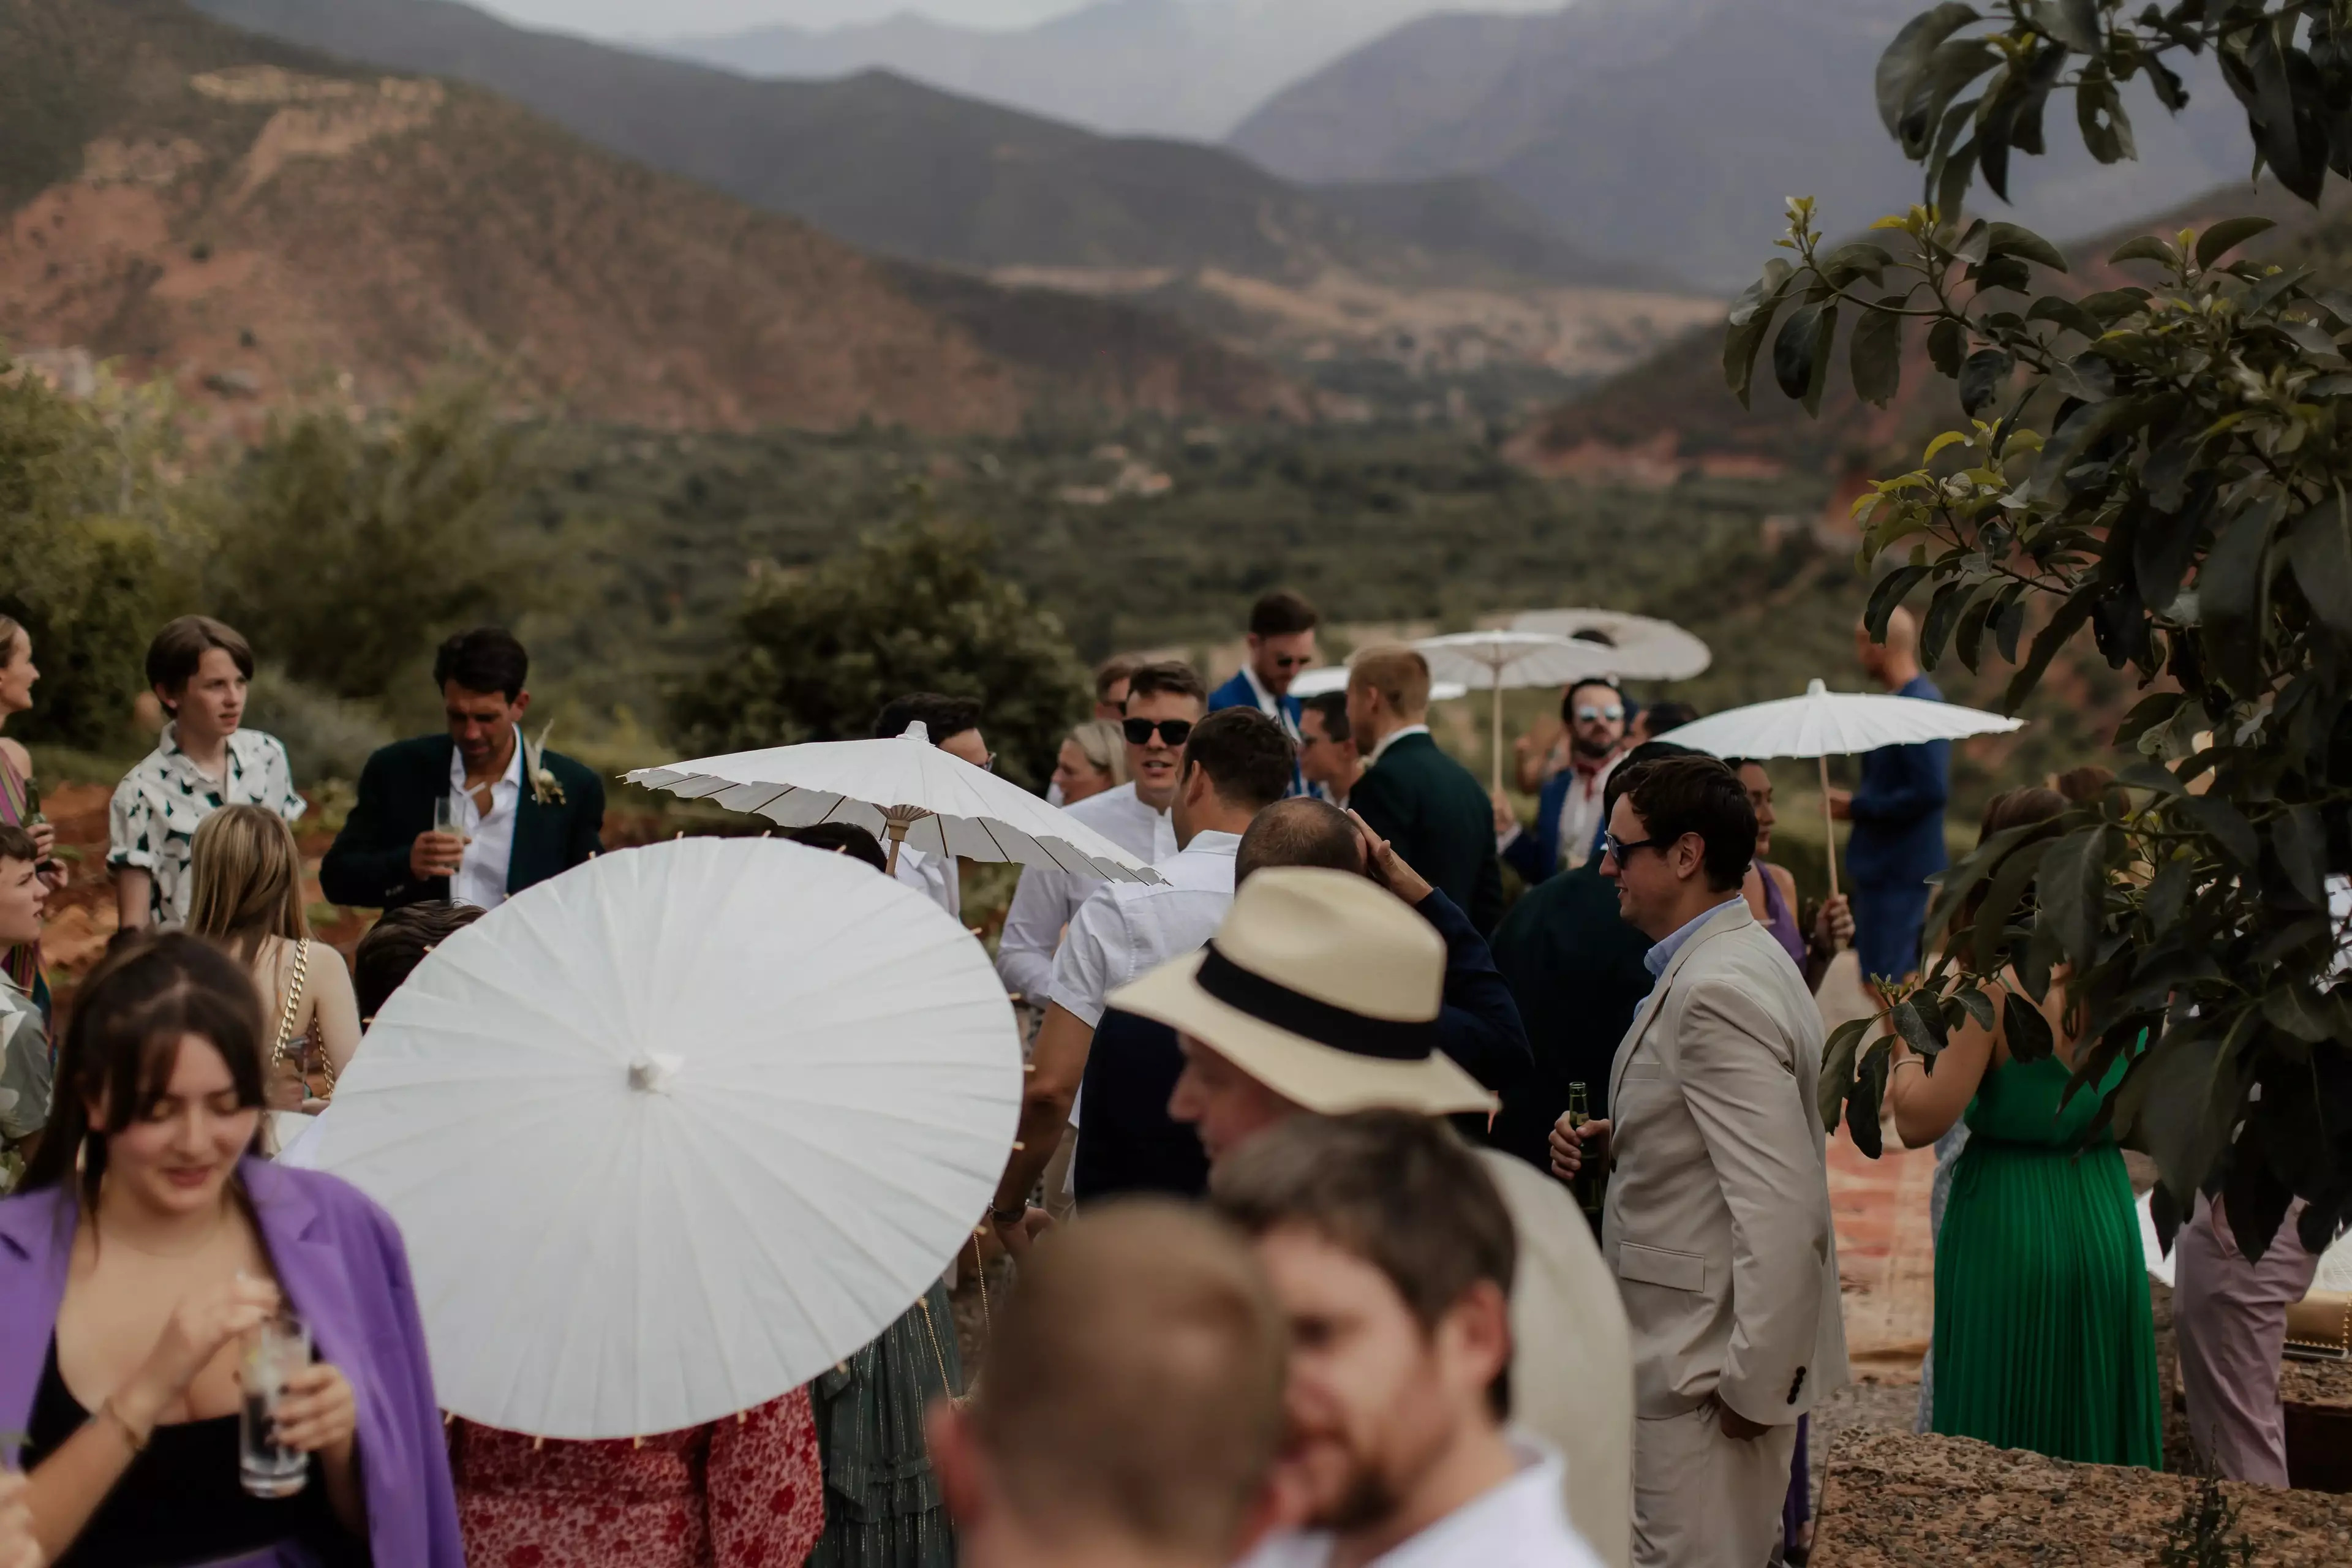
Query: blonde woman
{"points": [[246, 895], [1092, 759]]}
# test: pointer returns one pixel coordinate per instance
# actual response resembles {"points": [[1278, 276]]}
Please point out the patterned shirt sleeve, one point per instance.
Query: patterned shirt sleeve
{"points": [[282, 797], [25, 1069], [130, 825]]}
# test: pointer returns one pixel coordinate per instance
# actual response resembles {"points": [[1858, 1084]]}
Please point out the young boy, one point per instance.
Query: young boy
{"points": [[204, 761], [24, 1064]]}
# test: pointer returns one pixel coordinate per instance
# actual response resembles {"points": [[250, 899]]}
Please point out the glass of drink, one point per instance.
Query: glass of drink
{"points": [[445, 819], [274, 1351]]}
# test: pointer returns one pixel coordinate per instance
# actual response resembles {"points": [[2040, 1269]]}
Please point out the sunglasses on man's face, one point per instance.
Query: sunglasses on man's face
{"points": [[1588, 715], [1175, 731], [1291, 660], [1620, 848]]}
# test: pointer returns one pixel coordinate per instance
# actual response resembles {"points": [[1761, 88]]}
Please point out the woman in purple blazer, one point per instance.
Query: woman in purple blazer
{"points": [[147, 1242]]}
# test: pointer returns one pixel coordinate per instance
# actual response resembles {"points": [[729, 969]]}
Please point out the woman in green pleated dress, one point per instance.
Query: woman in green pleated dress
{"points": [[2043, 1337]]}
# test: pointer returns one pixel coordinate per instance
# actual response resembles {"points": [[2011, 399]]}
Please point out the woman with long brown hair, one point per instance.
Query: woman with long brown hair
{"points": [[149, 1242], [246, 896], [2043, 1336]]}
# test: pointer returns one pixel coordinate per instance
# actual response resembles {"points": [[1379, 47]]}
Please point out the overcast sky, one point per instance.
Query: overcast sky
{"points": [[674, 18]]}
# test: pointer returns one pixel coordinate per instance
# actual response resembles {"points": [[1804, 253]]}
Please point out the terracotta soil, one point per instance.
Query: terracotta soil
{"points": [[1895, 1500]]}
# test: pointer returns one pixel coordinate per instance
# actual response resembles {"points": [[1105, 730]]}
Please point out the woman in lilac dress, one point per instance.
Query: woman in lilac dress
{"points": [[147, 1243]]}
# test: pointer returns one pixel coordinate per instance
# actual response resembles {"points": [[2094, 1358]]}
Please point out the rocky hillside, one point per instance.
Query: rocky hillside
{"points": [[256, 219]]}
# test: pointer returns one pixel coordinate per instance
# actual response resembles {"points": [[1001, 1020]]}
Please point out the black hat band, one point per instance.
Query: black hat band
{"points": [[1271, 1002]]}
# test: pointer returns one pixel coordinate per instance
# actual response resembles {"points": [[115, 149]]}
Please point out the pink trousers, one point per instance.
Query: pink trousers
{"points": [[2230, 1315]]}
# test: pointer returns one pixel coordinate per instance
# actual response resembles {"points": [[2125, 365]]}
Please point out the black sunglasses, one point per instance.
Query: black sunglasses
{"points": [[1175, 731], [1620, 848]]}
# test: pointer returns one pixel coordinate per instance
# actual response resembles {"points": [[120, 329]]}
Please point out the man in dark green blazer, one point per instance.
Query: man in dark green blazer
{"points": [[515, 815], [1413, 794]]}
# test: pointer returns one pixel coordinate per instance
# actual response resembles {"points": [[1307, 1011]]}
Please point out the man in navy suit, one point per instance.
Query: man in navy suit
{"points": [[1897, 813], [1281, 646]]}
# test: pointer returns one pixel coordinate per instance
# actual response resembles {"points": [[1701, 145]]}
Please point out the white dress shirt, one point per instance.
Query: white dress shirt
{"points": [[481, 878], [1046, 900], [939, 877], [1581, 820], [1520, 1524], [1125, 928]]}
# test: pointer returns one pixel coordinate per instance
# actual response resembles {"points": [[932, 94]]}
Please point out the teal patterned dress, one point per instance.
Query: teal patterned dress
{"points": [[882, 1505]]}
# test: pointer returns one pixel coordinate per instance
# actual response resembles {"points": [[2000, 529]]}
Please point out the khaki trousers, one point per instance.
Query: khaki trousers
{"points": [[1705, 1501]]}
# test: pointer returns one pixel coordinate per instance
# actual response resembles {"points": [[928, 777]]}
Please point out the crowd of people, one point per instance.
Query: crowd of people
{"points": [[1358, 1215]]}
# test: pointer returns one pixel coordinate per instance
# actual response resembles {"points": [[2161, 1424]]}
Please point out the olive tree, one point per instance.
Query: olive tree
{"points": [[2167, 465]]}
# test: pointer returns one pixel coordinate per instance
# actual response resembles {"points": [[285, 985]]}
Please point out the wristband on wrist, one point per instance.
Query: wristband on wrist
{"points": [[1012, 1215]]}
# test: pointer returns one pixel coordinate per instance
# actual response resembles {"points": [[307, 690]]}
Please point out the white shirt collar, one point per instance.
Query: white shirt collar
{"points": [[513, 776], [1266, 702], [1522, 1521], [1208, 841], [1393, 736]]}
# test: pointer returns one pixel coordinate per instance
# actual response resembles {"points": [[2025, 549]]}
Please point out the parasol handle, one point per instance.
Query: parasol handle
{"points": [[895, 820], [1499, 729], [1829, 825]]}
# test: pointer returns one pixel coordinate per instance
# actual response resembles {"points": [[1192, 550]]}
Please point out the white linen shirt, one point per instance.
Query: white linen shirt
{"points": [[1520, 1524], [939, 877], [1128, 929], [1579, 812], [481, 878], [1047, 900], [152, 820]]}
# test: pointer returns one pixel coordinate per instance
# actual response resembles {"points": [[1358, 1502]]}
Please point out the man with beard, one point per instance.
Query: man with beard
{"points": [[1392, 1254], [1570, 815], [515, 817]]}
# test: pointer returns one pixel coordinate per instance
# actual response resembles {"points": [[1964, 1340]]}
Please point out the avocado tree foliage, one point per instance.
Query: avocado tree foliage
{"points": [[2168, 463]]}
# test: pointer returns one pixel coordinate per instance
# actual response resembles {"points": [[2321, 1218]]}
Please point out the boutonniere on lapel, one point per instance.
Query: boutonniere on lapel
{"points": [[544, 787]]}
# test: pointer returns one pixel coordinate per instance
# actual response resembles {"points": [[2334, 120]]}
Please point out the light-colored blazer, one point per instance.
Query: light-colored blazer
{"points": [[1717, 1222], [1572, 1370]]}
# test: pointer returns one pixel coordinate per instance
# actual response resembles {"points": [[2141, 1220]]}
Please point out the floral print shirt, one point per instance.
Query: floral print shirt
{"points": [[159, 804]]}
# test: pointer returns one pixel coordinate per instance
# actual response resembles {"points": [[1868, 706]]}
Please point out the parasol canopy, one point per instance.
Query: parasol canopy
{"points": [[904, 791], [672, 1133], [1496, 660], [1824, 724], [1639, 648]]}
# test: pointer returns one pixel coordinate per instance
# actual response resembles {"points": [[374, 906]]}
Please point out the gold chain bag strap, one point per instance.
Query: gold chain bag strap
{"points": [[286, 1015]]}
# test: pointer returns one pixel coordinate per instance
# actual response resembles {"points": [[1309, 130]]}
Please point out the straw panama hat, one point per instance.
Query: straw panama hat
{"points": [[1325, 987]]}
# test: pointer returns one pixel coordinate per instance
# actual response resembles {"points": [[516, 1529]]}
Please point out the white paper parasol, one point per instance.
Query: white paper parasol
{"points": [[1824, 724], [1640, 647], [1495, 660], [903, 791], [672, 1133], [1334, 677]]}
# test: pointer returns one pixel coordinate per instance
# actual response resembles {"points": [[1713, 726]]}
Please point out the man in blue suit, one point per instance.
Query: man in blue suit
{"points": [[1897, 813], [1281, 646]]}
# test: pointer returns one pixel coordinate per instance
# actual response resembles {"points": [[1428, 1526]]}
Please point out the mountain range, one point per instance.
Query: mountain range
{"points": [[257, 217], [1674, 129], [1189, 68]]}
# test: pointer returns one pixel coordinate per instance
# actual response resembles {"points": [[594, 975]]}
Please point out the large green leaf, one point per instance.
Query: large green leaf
{"points": [[2233, 594], [1838, 1066], [1915, 44], [2319, 548], [1875, 354], [1982, 378], [1802, 349], [2227, 236], [2072, 886]]}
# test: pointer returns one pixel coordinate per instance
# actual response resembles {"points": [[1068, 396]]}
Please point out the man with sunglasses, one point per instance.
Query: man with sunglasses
{"points": [[1717, 1216], [1281, 649], [1162, 703], [1570, 813], [1235, 765]]}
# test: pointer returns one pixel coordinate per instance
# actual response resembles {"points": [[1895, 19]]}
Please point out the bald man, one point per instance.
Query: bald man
{"points": [[1898, 813]]}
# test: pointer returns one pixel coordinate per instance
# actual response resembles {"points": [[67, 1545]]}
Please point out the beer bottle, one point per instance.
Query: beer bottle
{"points": [[1591, 1182]]}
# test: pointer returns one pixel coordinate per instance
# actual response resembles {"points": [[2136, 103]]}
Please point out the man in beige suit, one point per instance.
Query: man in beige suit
{"points": [[1319, 995], [1718, 1221]]}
